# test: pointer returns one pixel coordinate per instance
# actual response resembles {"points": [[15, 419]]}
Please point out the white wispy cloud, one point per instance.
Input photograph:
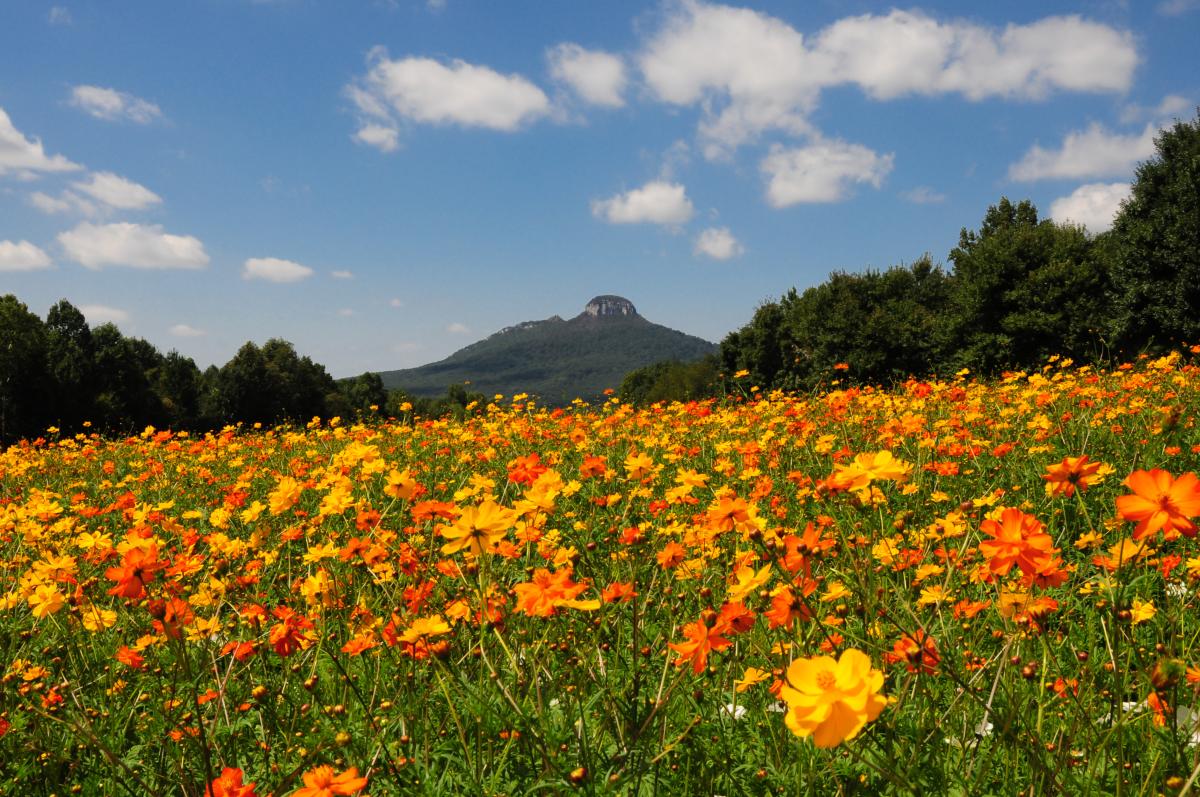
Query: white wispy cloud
{"points": [[117, 192], [750, 72], [111, 105], [26, 155], [718, 243], [458, 328], [66, 202], [923, 195], [134, 245], [1094, 205], [594, 76], [657, 202], [274, 269], [1094, 152], [59, 15], [22, 256], [103, 314], [418, 90], [821, 172], [342, 274], [186, 331]]}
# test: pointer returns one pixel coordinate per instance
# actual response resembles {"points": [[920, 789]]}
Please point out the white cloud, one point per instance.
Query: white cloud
{"points": [[597, 77], [395, 303], [1094, 205], [751, 72], [457, 328], [657, 202], [103, 314], [117, 192], [923, 195], [346, 312], [273, 269], [342, 274], [426, 91], [110, 104], [821, 172], [59, 16], [1175, 8], [22, 155], [1170, 108], [135, 245], [22, 256], [67, 202], [383, 138], [1094, 152], [186, 331], [718, 243]]}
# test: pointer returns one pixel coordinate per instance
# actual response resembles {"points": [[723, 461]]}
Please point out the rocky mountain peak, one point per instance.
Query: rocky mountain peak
{"points": [[609, 306]]}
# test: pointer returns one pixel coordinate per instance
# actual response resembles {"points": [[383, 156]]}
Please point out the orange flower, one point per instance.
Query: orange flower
{"points": [[1160, 501], [136, 571], [1072, 472], [787, 608], [917, 650], [292, 633], [229, 784], [1018, 539], [701, 639], [550, 591], [618, 592], [322, 782]]}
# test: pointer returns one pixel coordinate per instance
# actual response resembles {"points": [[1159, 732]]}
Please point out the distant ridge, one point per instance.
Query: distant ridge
{"points": [[554, 359]]}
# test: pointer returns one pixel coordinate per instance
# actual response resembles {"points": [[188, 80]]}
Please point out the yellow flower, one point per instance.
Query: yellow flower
{"points": [[832, 701], [284, 496], [752, 676], [425, 627], [400, 484], [96, 618], [745, 580], [1142, 611], [479, 527], [45, 600]]}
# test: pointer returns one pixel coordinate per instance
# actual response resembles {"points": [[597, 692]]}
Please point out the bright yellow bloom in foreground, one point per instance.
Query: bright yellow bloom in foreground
{"points": [[831, 700], [479, 528], [45, 600]]}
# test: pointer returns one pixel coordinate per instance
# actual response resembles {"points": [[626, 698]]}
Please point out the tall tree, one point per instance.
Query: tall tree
{"points": [[71, 363], [1024, 289], [24, 382], [1156, 276]]}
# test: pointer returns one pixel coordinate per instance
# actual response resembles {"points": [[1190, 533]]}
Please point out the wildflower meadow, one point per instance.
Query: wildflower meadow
{"points": [[947, 587]]}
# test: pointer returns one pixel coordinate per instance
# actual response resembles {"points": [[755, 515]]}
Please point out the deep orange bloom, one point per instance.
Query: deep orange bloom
{"points": [[229, 784], [917, 650], [787, 608], [671, 555], [1160, 501], [137, 569], [618, 592], [322, 782], [130, 658], [1018, 539], [1071, 473], [550, 591], [291, 633], [701, 639]]}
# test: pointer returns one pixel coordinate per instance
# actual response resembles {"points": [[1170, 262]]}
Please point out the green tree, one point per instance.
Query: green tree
{"points": [[1024, 289], [25, 385], [71, 364], [1156, 274]]}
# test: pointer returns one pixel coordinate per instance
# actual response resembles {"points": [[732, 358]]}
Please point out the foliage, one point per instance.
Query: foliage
{"points": [[1157, 268], [672, 381], [952, 587]]}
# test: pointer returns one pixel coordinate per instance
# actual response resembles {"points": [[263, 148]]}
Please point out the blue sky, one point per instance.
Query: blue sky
{"points": [[385, 182]]}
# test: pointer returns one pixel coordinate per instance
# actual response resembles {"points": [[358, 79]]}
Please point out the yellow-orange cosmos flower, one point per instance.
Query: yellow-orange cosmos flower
{"points": [[479, 528], [866, 468], [832, 701], [1160, 501]]}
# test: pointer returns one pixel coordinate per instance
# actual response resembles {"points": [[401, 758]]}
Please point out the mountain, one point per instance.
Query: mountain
{"points": [[556, 360]]}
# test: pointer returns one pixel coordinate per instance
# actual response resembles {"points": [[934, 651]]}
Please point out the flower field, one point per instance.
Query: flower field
{"points": [[952, 587]]}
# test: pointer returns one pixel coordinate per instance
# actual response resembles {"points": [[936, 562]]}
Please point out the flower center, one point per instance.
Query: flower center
{"points": [[826, 680]]}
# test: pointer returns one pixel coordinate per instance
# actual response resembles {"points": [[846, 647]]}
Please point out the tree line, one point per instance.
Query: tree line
{"points": [[1021, 288]]}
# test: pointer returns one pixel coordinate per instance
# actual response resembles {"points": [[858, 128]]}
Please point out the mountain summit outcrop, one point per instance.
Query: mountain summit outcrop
{"points": [[554, 359]]}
